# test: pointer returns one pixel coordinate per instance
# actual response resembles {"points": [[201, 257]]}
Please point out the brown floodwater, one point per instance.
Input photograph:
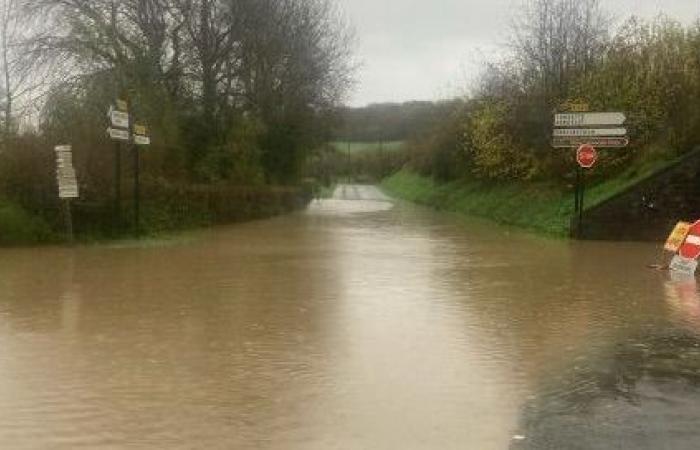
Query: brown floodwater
{"points": [[357, 324]]}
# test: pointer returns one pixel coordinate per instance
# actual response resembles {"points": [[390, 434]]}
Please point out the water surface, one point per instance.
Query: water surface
{"points": [[357, 324]]}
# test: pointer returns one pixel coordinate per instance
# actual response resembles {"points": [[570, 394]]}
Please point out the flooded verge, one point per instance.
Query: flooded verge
{"points": [[359, 323]]}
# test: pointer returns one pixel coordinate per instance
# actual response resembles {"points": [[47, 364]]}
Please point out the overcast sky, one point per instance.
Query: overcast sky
{"points": [[430, 49]]}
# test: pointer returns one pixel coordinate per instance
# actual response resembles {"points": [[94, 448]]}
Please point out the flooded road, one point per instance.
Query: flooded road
{"points": [[357, 324]]}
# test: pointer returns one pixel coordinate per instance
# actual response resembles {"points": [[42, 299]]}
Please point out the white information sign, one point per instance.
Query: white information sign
{"points": [[590, 132], [118, 134], [65, 173], [142, 140], [589, 119], [119, 119]]}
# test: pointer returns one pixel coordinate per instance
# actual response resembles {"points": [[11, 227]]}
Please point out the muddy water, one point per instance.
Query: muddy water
{"points": [[358, 324]]}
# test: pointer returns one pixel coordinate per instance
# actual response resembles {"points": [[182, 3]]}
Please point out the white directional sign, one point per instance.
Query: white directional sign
{"points": [[118, 134], [590, 132], [65, 174], [598, 142], [119, 119], [142, 140], [589, 119]]}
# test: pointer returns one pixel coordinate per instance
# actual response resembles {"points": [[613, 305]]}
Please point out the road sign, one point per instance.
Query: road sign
{"points": [[598, 142], [118, 134], [683, 266], [65, 174], [677, 237], [589, 119], [141, 130], [142, 140], [575, 106], [122, 105], [119, 119], [590, 132], [586, 156], [691, 247], [141, 135]]}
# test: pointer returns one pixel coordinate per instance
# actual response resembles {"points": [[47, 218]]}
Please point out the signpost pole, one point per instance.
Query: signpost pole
{"points": [[581, 202], [137, 189], [68, 217], [577, 196], [117, 186]]}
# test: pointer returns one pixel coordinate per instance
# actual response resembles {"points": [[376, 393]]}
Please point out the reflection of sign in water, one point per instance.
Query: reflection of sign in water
{"points": [[684, 266], [677, 237]]}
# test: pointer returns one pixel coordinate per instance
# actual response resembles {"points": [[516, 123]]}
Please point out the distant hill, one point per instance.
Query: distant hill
{"points": [[390, 121]]}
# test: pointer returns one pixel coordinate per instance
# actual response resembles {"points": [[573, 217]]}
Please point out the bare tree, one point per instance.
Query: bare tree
{"points": [[557, 40]]}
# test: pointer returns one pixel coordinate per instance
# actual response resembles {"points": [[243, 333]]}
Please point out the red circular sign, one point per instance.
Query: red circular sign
{"points": [[586, 156], [691, 247]]}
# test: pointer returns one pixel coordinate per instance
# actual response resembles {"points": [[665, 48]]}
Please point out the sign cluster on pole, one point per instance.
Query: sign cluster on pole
{"points": [[122, 130], [67, 183], [585, 131], [65, 173], [602, 130]]}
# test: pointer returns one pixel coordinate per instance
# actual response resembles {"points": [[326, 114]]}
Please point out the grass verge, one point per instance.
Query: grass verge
{"points": [[536, 207], [544, 208]]}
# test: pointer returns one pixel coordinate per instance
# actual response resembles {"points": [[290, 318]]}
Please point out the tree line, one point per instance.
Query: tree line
{"points": [[390, 121], [233, 91], [561, 51]]}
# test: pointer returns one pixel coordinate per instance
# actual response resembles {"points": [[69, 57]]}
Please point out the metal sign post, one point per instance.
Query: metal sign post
{"points": [[140, 139], [583, 130], [67, 184], [118, 131]]}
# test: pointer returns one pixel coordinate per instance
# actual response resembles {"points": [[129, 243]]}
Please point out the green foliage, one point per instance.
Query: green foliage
{"points": [[238, 160], [17, 226], [362, 146], [536, 206], [648, 70]]}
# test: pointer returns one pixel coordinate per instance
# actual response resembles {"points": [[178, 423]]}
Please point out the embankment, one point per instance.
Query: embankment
{"points": [[538, 207], [640, 204]]}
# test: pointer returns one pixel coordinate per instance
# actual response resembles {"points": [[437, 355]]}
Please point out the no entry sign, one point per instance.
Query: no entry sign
{"points": [[586, 156], [691, 247]]}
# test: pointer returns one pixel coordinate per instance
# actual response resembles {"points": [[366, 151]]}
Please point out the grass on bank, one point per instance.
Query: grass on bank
{"points": [[364, 147], [531, 206], [541, 207]]}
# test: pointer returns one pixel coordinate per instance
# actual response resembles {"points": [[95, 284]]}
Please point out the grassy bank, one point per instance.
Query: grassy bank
{"points": [[544, 208], [536, 207]]}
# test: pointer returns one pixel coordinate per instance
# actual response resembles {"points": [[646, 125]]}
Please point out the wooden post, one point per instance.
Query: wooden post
{"points": [[117, 186], [137, 189], [577, 191], [581, 203], [68, 218]]}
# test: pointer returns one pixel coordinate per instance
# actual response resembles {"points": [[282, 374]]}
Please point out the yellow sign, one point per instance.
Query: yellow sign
{"points": [[677, 237], [141, 130], [575, 106], [122, 105]]}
